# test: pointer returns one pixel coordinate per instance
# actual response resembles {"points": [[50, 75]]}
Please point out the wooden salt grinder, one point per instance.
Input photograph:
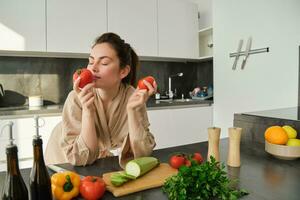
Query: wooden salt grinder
{"points": [[213, 143], [233, 158]]}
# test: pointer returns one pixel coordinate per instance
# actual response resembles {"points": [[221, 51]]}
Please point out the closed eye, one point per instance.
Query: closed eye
{"points": [[104, 63]]}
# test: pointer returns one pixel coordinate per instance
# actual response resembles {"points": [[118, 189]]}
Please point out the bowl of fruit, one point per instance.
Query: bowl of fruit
{"points": [[282, 142]]}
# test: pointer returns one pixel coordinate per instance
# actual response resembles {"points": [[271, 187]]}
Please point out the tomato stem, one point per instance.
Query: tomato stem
{"points": [[94, 179]]}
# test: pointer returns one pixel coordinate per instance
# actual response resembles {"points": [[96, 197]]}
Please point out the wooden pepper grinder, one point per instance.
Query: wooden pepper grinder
{"points": [[233, 158], [213, 143]]}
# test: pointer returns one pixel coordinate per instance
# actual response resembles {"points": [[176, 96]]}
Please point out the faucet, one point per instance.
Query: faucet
{"points": [[170, 92]]}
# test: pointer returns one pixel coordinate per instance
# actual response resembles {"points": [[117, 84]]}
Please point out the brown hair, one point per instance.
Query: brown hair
{"points": [[125, 53]]}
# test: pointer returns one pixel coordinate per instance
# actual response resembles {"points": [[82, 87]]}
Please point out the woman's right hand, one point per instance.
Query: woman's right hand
{"points": [[85, 95]]}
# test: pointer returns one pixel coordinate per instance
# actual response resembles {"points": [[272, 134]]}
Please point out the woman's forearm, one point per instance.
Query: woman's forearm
{"points": [[133, 123], [137, 130], [141, 141], [88, 130]]}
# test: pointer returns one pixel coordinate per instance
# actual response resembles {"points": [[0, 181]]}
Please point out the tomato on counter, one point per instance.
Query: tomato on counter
{"points": [[181, 159], [92, 188], [177, 161], [197, 157]]}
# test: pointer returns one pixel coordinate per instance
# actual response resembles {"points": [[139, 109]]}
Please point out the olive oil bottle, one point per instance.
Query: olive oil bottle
{"points": [[40, 184], [14, 187]]}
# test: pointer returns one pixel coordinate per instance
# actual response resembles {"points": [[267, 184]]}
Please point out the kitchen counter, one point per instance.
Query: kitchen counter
{"points": [[55, 110], [292, 113], [262, 175]]}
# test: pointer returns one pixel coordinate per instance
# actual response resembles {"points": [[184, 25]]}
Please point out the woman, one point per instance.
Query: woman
{"points": [[108, 114]]}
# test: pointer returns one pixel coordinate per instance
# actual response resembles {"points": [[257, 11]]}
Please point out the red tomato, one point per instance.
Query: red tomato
{"points": [[141, 84], [187, 163], [92, 188], [177, 161], [85, 75], [198, 158]]}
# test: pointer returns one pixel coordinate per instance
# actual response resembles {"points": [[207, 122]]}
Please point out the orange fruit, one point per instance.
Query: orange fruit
{"points": [[276, 135]]}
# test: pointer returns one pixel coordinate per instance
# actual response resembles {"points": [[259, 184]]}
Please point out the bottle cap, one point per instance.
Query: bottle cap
{"points": [[37, 126]]}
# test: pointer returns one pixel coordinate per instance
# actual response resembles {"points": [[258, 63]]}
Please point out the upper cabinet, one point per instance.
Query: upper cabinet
{"points": [[177, 29], [73, 25], [163, 28], [206, 42], [22, 25], [136, 22]]}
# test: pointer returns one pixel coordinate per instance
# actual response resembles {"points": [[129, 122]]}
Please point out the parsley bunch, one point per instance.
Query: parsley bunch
{"points": [[205, 181]]}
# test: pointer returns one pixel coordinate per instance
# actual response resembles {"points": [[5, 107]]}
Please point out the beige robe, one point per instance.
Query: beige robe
{"points": [[67, 146]]}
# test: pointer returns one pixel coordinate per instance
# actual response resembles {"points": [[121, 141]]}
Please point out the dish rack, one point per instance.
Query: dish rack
{"points": [[201, 98]]}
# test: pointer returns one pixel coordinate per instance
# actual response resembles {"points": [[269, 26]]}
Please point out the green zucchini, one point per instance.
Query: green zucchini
{"points": [[140, 166], [118, 180], [134, 169], [125, 175]]}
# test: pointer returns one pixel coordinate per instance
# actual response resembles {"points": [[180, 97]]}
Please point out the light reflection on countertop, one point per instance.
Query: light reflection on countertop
{"points": [[291, 113], [56, 110], [26, 111]]}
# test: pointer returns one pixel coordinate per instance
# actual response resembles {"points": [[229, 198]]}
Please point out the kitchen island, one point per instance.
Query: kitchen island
{"points": [[262, 175], [255, 123]]}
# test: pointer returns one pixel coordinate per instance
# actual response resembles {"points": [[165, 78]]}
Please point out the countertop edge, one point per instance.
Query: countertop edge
{"points": [[16, 114]]}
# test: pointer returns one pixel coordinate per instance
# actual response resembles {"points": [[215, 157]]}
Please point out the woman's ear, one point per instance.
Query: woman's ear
{"points": [[125, 71]]}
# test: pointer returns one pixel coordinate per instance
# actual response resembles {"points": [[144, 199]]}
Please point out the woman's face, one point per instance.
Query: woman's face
{"points": [[105, 66]]}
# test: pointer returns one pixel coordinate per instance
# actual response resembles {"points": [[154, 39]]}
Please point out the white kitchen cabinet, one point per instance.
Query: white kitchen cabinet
{"points": [[23, 131], [177, 29], [136, 22], [23, 25], [173, 127], [73, 25]]}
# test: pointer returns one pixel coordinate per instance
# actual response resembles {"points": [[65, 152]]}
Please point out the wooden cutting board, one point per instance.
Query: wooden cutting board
{"points": [[154, 178]]}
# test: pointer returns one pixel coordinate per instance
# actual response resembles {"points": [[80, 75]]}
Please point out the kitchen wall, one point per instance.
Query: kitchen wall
{"points": [[52, 77], [269, 80]]}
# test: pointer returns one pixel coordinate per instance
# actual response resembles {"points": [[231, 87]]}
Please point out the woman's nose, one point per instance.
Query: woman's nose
{"points": [[94, 68]]}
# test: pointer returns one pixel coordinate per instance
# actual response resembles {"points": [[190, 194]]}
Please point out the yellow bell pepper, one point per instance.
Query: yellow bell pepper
{"points": [[65, 185]]}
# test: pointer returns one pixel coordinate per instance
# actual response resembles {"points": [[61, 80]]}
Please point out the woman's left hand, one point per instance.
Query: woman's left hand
{"points": [[140, 97]]}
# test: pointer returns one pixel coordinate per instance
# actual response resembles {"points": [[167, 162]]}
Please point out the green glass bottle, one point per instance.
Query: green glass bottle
{"points": [[14, 187], [40, 183]]}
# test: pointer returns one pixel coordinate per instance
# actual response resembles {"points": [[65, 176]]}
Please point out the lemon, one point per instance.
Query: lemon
{"points": [[293, 142], [292, 133]]}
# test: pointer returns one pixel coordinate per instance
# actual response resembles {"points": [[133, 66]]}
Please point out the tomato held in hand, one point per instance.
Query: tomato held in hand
{"points": [[92, 188], [198, 158], [177, 161], [142, 85], [85, 75]]}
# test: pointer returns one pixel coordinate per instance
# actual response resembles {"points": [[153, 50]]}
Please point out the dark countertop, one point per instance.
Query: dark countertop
{"points": [[264, 176], [55, 110]]}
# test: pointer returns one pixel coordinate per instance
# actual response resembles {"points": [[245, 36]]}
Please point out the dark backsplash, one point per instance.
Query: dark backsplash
{"points": [[52, 77]]}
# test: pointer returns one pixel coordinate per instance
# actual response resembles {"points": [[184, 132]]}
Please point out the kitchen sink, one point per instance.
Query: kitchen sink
{"points": [[175, 100], [183, 100]]}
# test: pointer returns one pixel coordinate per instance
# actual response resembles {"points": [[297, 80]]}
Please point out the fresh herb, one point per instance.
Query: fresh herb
{"points": [[205, 181]]}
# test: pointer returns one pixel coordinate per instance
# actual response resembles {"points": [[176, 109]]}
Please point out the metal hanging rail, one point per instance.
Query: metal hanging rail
{"points": [[253, 51]]}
